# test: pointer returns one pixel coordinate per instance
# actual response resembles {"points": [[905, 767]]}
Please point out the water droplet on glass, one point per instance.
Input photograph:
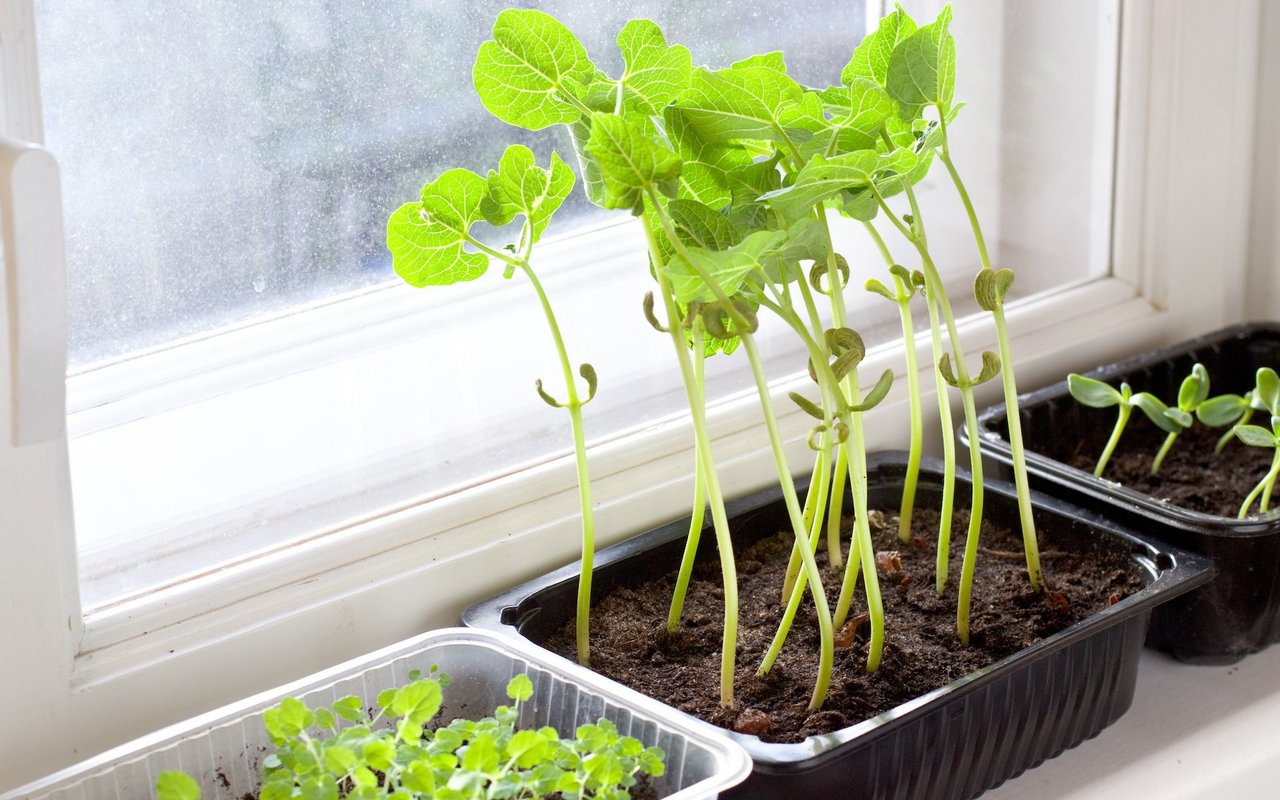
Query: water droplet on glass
{"points": [[259, 283]]}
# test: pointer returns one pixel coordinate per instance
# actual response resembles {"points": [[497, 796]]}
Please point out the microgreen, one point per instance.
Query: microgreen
{"points": [[431, 244], [1235, 409], [396, 753], [1193, 391], [1257, 436], [1097, 394]]}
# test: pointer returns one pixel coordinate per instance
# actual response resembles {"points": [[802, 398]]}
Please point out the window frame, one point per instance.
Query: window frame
{"points": [[194, 649]]}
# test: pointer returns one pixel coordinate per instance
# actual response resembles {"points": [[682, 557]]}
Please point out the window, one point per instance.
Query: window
{"points": [[1183, 69], [246, 372]]}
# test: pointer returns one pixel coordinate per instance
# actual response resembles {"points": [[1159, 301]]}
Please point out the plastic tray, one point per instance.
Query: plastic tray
{"points": [[955, 742], [1239, 612], [221, 749]]}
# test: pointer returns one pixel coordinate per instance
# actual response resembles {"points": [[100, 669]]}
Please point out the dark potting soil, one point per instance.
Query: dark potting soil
{"points": [[630, 644], [1192, 475]]}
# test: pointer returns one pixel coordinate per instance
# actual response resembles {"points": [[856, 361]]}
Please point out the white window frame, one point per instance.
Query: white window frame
{"points": [[75, 690]]}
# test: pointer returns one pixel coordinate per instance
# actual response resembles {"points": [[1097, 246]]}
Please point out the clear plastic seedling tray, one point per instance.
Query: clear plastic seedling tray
{"points": [[222, 750]]}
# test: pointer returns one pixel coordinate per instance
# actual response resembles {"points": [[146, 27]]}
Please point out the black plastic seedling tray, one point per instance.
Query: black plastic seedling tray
{"points": [[954, 742], [1239, 611]]}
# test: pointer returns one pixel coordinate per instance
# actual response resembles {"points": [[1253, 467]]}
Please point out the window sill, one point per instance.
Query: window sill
{"points": [[1192, 732]]}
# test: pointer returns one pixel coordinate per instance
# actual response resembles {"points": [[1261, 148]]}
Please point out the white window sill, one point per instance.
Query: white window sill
{"points": [[1192, 733]]}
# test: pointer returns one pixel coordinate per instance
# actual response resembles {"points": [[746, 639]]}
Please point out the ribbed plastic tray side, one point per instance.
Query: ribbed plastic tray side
{"points": [[1239, 612], [981, 738], [222, 749]]}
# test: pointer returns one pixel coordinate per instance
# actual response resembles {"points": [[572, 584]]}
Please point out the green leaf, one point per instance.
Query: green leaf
{"points": [[523, 74], [877, 393], [1194, 389], [871, 58], [427, 239], [288, 719], [1255, 436], [481, 755], [339, 760], [922, 68], [823, 178], [417, 702], [419, 777], [703, 226], [520, 186], [806, 405], [1092, 392], [739, 103], [350, 708], [1266, 394], [861, 110], [1221, 410], [1155, 409], [520, 688], [655, 74], [630, 162], [727, 268], [774, 60], [379, 754], [708, 168], [172, 785], [990, 287]]}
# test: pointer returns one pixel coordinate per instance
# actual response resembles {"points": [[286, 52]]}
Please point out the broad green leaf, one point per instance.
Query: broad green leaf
{"points": [[1194, 388], [427, 239], [520, 186], [172, 785], [861, 110], [350, 708], [655, 74], [1266, 394], [379, 754], [1155, 410], [707, 167], [1221, 410], [1092, 392], [524, 72], [520, 688], [417, 702], [871, 57], [922, 68], [481, 755], [739, 103], [339, 760], [630, 162], [774, 60], [823, 178], [1255, 436], [702, 226], [727, 268], [287, 719]]}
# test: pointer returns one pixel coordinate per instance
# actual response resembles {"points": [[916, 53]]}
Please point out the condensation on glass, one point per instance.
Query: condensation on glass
{"points": [[224, 161]]}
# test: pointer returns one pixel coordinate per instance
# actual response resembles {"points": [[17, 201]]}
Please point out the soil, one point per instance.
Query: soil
{"points": [[630, 644], [1192, 475]]}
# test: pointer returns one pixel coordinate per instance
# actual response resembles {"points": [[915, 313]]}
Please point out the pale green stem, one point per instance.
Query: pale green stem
{"points": [[574, 407], [825, 633], [1231, 432], [1164, 451], [834, 549], [947, 506], [857, 484], [795, 563], [1121, 421], [934, 284], [1013, 418], [699, 503], [1268, 480], [719, 519]]}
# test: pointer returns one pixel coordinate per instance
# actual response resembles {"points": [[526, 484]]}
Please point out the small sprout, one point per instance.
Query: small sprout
{"points": [[1235, 409], [991, 286], [820, 269], [990, 368], [1257, 436], [1096, 394], [1193, 391]]}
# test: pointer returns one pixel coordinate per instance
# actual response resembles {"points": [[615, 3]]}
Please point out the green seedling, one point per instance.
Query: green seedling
{"points": [[1097, 394], [343, 751], [1235, 409], [1257, 436], [905, 287], [1174, 420], [432, 244]]}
